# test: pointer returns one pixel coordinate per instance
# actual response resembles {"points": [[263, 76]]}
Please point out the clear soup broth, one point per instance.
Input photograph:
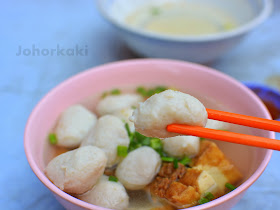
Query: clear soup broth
{"points": [[142, 199]]}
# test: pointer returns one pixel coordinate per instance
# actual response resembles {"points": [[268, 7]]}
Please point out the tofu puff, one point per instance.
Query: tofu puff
{"points": [[213, 160], [107, 194], [113, 103], [73, 125], [78, 170], [108, 133], [138, 168], [183, 187], [167, 107]]}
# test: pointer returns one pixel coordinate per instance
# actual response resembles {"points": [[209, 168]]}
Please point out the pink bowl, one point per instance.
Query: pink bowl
{"points": [[200, 81]]}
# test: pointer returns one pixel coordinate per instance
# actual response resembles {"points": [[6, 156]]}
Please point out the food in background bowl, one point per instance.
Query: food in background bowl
{"points": [[214, 89], [198, 174], [194, 30]]}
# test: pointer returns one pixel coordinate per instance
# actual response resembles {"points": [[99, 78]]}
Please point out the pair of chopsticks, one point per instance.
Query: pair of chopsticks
{"points": [[238, 138]]}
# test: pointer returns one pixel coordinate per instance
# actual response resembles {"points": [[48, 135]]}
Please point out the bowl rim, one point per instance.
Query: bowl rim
{"points": [[265, 12], [42, 177]]}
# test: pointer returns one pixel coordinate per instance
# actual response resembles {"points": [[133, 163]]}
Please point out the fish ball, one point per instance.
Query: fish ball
{"points": [[78, 170], [125, 114], [138, 168], [167, 107], [107, 194], [180, 146], [113, 103], [108, 133], [74, 124], [218, 125]]}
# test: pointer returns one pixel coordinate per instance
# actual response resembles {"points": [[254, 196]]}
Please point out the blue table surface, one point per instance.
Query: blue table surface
{"points": [[25, 79]]}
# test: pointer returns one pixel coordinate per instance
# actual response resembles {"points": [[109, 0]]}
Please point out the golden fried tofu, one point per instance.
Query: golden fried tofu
{"points": [[213, 161], [201, 180], [182, 195]]}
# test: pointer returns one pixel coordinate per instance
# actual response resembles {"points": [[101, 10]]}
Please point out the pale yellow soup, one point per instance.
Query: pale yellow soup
{"points": [[142, 199], [179, 19]]}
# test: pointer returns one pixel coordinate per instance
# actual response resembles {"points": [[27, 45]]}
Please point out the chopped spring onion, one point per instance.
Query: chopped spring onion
{"points": [[175, 163], [160, 89], [133, 107], [139, 137], [156, 143], [209, 196], [167, 159], [149, 92], [113, 179], [141, 90], [104, 95], [230, 186], [127, 129], [122, 151], [146, 142], [203, 200], [155, 11], [52, 138], [185, 161], [115, 92]]}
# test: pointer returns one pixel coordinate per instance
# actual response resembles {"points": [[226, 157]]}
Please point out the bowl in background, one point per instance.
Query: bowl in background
{"points": [[269, 95], [195, 48], [206, 84]]}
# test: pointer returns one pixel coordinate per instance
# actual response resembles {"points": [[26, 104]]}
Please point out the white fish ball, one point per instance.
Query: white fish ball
{"points": [[167, 107], [107, 194], [108, 133], [218, 125], [180, 146], [125, 114], [78, 170], [138, 168], [113, 103], [73, 125]]}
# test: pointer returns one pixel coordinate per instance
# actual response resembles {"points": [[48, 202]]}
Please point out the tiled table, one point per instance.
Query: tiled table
{"points": [[25, 78]]}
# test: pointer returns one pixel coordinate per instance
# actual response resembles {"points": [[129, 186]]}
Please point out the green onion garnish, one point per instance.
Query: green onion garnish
{"points": [[175, 163], [185, 161], [127, 129], [230, 186], [209, 196], [155, 11], [141, 91], [167, 159], [104, 95], [146, 142], [122, 151], [149, 92], [113, 179], [52, 138], [203, 200], [160, 89], [115, 92], [156, 143]]}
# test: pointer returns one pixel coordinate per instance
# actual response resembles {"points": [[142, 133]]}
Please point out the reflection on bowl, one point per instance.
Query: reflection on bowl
{"points": [[197, 31], [212, 88]]}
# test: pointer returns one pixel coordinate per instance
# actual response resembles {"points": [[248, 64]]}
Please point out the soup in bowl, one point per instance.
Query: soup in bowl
{"points": [[143, 77]]}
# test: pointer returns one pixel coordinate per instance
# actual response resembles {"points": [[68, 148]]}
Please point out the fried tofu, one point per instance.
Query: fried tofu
{"points": [[182, 195], [212, 160], [201, 180]]}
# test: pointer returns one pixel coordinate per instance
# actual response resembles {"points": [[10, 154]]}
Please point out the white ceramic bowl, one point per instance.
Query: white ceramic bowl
{"points": [[202, 48]]}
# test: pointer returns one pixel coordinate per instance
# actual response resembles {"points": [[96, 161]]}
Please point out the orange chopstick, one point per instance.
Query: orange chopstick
{"points": [[254, 122], [227, 136]]}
